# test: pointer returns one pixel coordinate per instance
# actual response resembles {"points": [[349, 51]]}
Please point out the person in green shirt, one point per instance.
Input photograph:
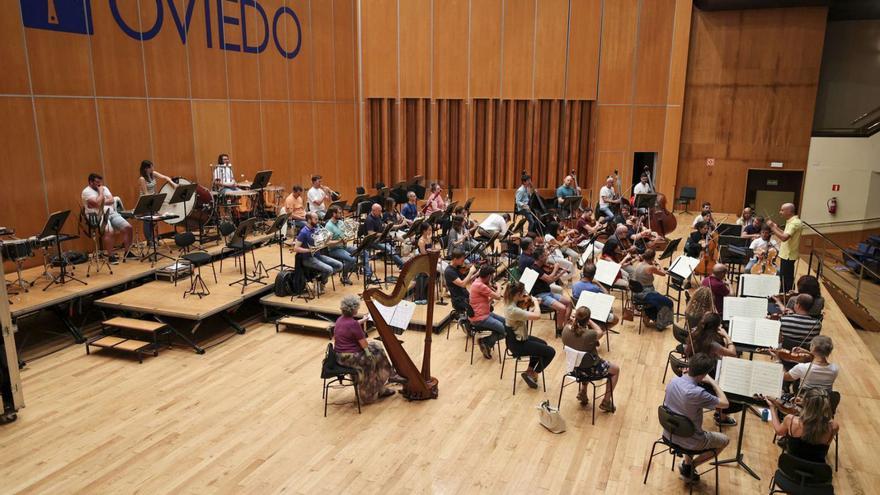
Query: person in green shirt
{"points": [[790, 246], [337, 248]]}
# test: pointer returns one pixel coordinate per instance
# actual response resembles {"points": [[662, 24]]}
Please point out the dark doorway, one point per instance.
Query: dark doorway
{"points": [[643, 161], [766, 190]]}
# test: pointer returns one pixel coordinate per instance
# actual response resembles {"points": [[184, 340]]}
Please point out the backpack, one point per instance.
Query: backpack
{"points": [[284, 283]]}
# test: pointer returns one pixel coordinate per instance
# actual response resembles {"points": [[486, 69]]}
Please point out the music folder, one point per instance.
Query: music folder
{"points": [[759, 285], [528, 279], [750, 378], [599, 304], [749, 307], [606, 271], [757, 332]]}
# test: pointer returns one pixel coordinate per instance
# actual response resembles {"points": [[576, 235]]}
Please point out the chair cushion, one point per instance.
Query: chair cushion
{"points": [[197, 258]]}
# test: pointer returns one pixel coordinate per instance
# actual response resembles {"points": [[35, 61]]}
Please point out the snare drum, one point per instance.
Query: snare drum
{"points": [[17, 249]]}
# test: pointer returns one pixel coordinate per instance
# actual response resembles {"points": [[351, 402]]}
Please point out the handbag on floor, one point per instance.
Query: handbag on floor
{"points": [[550, 417]]}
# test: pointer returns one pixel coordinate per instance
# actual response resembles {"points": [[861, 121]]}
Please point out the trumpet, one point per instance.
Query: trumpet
{"points": [[334, 196]]}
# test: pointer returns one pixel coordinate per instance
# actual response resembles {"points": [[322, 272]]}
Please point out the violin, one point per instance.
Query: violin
{"points": [[790, 406], [796, 355]]}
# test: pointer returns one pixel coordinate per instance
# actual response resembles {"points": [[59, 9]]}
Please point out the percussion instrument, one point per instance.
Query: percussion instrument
{"points": [[245, 200], [195, 208], [272, 195], [17, 249], [246, 184]]}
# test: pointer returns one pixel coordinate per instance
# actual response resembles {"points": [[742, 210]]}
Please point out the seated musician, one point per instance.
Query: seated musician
{"points": [[717, 283], [701, 303], [567, 189], [752, 230], [319, 197], [559, 303], [623, 215], [305, 246], [338, 248], [587, 226], [97, 199], [492, 224], [657, 306], [819, 372], [392, 216], [705, 215], [410, 209], [586, 284], [643, 187], [746, 217], [808, 435], [224, 179], [696, 242], [483, 293], [686, 395], [424, 243], [799, 328], [618, 249], [523, 199], [294, 205], [760, 247], [374, 223], [459, 237], [147, 186], [520, 308], [583, 334], [353, 350], [561, 242], [710, 338], [457, 281], [806, 284], [526, 257], [607, 197], [435, 201]]}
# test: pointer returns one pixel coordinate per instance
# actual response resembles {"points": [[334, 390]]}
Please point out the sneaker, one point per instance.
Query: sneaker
{"points": [[373, 281], [687, 473], [113, 259], [728, 421], [422, 302], [346, 281], [529, 379], [485, 349]]}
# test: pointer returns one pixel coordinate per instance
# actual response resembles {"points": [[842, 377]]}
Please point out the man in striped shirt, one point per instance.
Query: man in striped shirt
{"points": [[799, 328]]}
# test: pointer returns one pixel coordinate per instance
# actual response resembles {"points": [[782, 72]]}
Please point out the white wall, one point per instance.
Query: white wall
{"points": [[854, 164]]}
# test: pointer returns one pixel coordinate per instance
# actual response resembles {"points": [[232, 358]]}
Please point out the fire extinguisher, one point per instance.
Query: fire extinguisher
{"points": [[832, 205]]}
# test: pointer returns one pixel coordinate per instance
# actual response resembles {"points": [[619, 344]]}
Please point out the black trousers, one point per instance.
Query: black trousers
{"points": [[786, 273], [540, 354]]}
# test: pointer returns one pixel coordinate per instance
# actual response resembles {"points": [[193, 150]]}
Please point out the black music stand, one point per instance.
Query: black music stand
{"points": [[357, 204], [182, 194], [383, 238], [729, 229], [260, 182], [737, 459], [241, 233], [52, 229], [279, 222], [398, 192], [416, 185], [146, 210], [468, 203], [570, 204], [669, 250], [366, 243], [339, 205]]}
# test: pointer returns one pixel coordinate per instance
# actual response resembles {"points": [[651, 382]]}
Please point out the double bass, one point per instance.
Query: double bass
{"points": [[662, 220]]}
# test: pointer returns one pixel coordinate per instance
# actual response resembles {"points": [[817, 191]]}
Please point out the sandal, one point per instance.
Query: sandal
{"points": [[607, 407], [582, 398]]}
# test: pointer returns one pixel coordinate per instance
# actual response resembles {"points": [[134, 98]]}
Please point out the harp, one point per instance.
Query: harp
{"points": [[420, 385]]}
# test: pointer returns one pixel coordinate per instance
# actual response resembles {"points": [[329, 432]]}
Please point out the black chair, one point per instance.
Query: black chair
{"points": [[797, 476], [676, 358], [509, 354], [473, 334], [333, 372], [685, 196], [678, 425], [312, 278], [580, 376], [183, 241], [235, 245], [638, 308], [676, 283]]}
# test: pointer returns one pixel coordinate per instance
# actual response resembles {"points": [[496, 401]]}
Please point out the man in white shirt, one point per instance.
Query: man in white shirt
{"points": [[96, 199], [494, 223], [607, 196], [643, 187], [224, 179], [318, 197], [760, 246]]}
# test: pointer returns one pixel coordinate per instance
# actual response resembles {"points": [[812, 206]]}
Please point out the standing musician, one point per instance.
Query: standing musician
{"points": [[791, 241], [457, 278], [410, 209], [548, 274], [305, 245], [607, 197], [97, 199], [294, 204], [337, 246], [760, 246], [224, 179], [482, 294], [523, 197], [147, 185], [319, 196], [705, 215], [643, 187], [435, 201]]}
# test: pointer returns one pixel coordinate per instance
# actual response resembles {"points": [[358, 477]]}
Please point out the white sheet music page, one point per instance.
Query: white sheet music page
{"points": [[600, 304], [742, 330], [749, 307], [684, 266], [606, 271], [596, 248], [766, 378], [759, 285], [528, 279], [397, 316], [767, 332], [736, 376]]}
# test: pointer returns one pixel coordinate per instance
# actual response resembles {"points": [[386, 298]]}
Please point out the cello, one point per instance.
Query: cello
{"points": [[709, 256]]}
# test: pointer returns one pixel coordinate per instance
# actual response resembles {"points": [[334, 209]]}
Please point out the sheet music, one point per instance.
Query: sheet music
{"points": [[595, 247], [599, 304], [759, 285], [397, 316], [747, 378], [684, 266], [749, 307], [606, 271], [760, 332], [528, 279]]}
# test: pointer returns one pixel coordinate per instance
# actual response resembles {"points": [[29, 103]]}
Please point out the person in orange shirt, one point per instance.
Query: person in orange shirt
{"points": [[294, 204]]}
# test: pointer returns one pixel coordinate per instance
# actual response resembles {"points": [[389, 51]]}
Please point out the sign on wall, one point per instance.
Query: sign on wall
{"points": [[75, 16]]}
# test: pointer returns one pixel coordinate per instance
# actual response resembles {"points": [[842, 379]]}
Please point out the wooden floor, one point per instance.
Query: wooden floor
{"points": [[247, 418]]}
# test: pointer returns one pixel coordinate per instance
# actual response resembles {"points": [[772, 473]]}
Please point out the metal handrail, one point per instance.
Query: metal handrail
{"points": [[862, 268], [862, 116]]}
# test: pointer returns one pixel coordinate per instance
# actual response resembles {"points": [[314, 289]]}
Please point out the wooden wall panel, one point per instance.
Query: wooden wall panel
{"points": [[15, 70], [247, 143], [325, 144], [379, 44], [647, 128], [242, 71], [59, 63], [583, 49], [212, 132], [323, 73], [23, 205], [173, 141], [518, 61], [207, 66], [485, 49], [165, 56], [301, 67], [613, 127], [345, 49], [272, 66], [275, 118], [451, 47], [617, 61], [117, 59], [347, 146], [551, 42], [125, 143], [415, 48], [302, 129], [656, 22]]}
